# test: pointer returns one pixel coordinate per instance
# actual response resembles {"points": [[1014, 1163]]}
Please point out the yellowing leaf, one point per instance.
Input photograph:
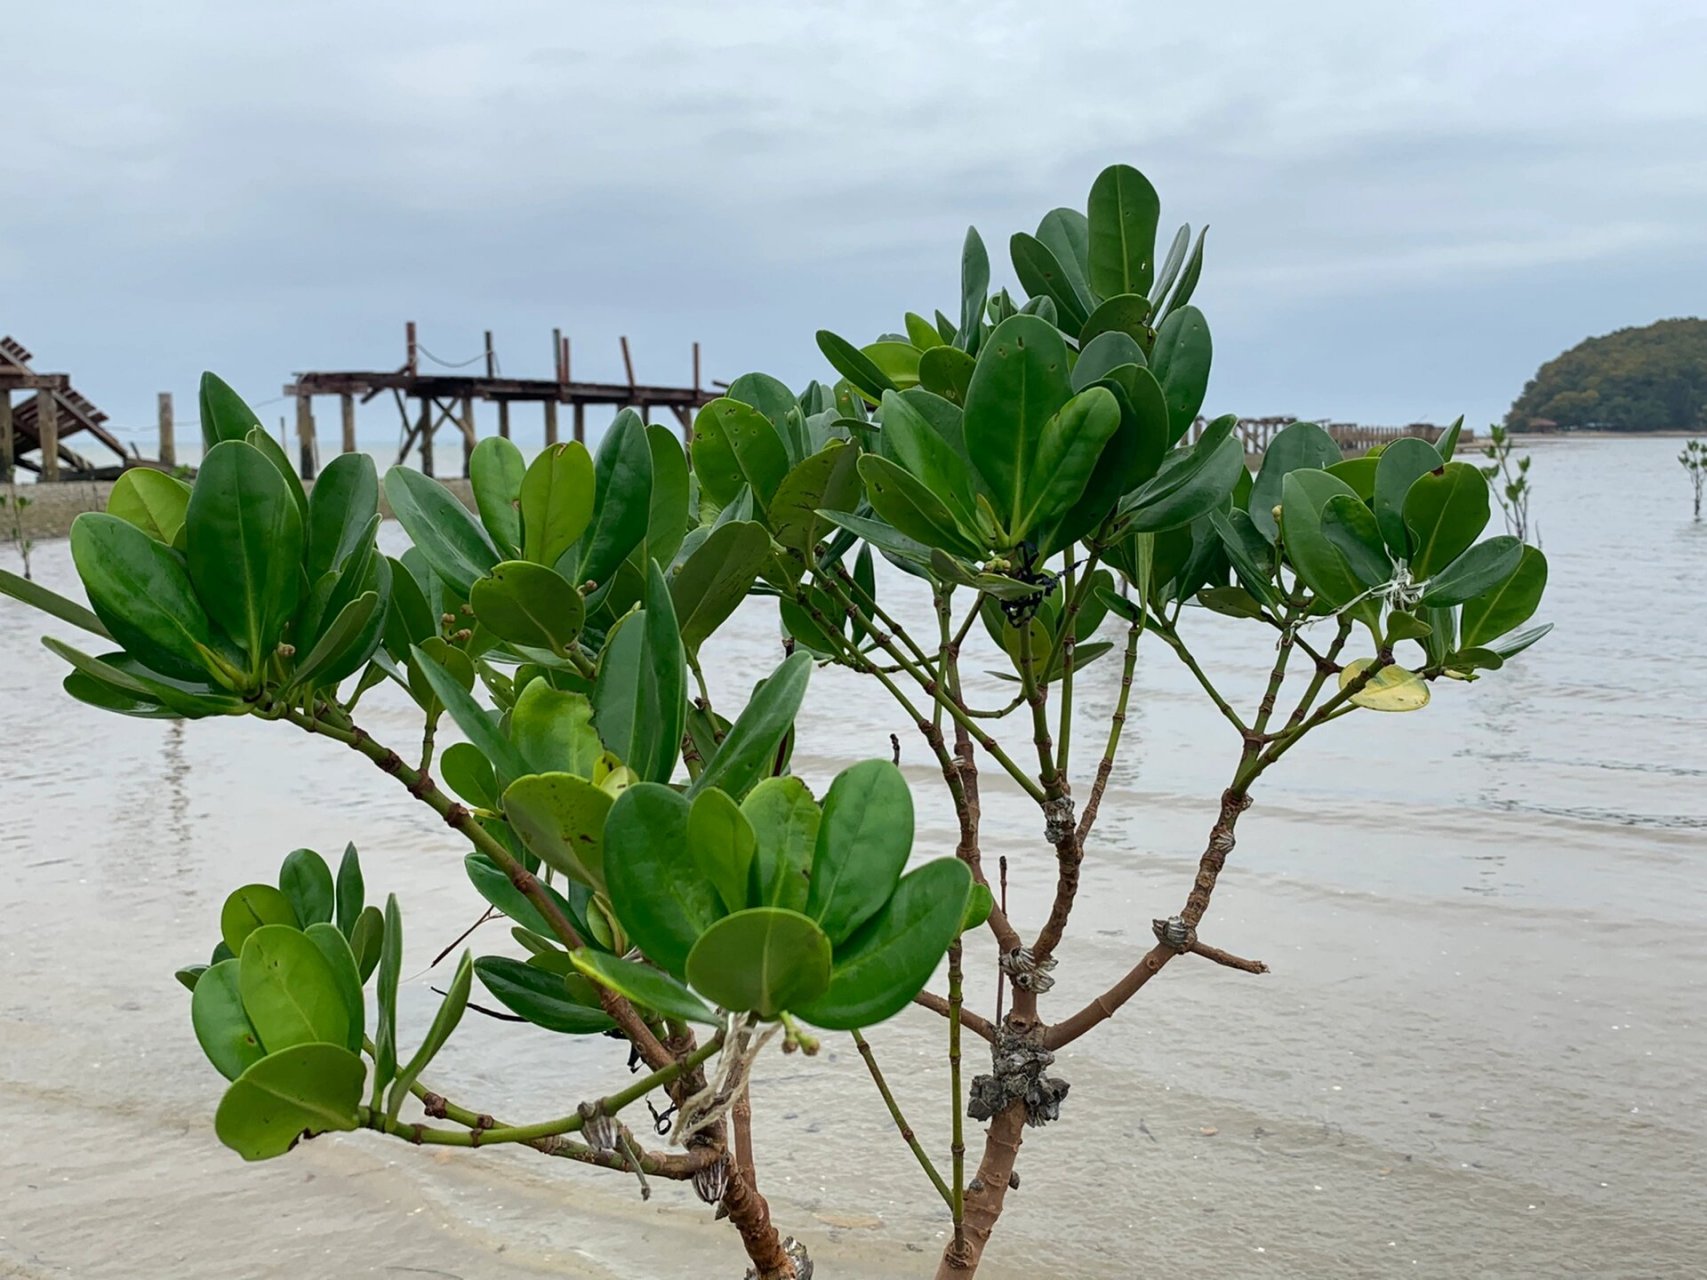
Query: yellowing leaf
{"points": [[1389, 689]]}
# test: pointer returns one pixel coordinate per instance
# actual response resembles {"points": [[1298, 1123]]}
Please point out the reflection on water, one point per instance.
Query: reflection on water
{"points": [[1478, 1053]]}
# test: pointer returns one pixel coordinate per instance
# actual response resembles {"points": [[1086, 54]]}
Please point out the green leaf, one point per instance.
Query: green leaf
{"points": [[447, 536], [1126, 315], [1447, 445], [224, 415], [716, 577], [640, 694], [57, 606], [302, 1091], [863, 841], [1123, 211], [1444, 513], [764, 960], [554, 731], [1298, 444], [1191, 483], [881, 968], [367, 941], [1042, 275], [734, 445], [723, 843], [495, 475], [647, 987], [152, 501], [1187, 281], [828, 480], [1069, 449], [1170, 268], [307, 881], [980, 902], [1102, 355], [493, 884], [244, 544], [1303, 495], [657, 887], [1021, 382], [445, 1022], [1250, 554], [947, 372], [469, 774], [529, 604], [1479, 569], [250, 907], [1180, 360], [1508, 605], [849, 361], [540, 996], [222, 1028], [1067, 235], [343, 504], [469, 715], [1401, 465], [119, 683], [1511, 646], [667, 516], [1350, 526], [974, 294], [785, 821], [896, 361], [927, 453], [562, 820], [351, 892], [557, 496], [910, 506], [336, 952], [350, 640], [623, 477], [270, 449], [749, 750], [290, 990], [385, 1030], [141, 592]]}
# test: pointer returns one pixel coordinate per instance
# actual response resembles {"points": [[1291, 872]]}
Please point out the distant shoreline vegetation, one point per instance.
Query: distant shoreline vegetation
{"points": [[1652, 378]]}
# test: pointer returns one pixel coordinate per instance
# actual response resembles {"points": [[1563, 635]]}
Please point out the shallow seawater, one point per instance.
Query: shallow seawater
{"points": [[1478, 1054]]}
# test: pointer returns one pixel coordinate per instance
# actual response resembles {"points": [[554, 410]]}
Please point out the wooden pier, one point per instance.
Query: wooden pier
{"points": [[427, 401], [40, 424], [1352, 438]]}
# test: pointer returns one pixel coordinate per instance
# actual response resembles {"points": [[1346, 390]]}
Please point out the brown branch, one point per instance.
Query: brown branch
{"points": [[978, 1026], [1104, 1006], [1226, 957], [986, 1192]]}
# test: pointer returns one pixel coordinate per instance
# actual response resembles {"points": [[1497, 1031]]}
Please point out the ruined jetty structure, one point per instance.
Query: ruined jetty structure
{"points": [[34, 429]]}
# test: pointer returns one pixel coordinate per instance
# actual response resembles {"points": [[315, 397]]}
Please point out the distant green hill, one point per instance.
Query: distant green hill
{"points": [[1647, 379]]}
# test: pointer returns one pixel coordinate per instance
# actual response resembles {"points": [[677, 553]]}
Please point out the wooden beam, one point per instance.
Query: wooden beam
{"points": [[696, 366], [550, 423], [47, 432], [469, 437], [491, 357], [347, 417], [8, 442], [628, 363], [581, 422], [561, 375], [305, 442], [504, 419], [25, 380], [412, 361], [428, 426], [168, 432]]}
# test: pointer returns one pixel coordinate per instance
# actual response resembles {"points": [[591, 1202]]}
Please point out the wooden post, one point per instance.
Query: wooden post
{"points": [[559, 372], [305, 435], [426, 435], [468, 436], [550, 423], [8, 445], [491, 357], [628, 363], [168, 439], [568, 373], [47, 432], [696, 366], [581, 422], [413, 362], [347, 416], [504, 419]]}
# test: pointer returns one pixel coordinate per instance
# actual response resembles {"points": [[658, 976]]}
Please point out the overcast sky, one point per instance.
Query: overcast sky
{"points": [[1411, 206]]}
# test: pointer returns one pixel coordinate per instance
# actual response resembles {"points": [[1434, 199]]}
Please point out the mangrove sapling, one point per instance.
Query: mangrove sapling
{"points": [[1509, 480], [12, 506], [1694, 460], [668, 879]]}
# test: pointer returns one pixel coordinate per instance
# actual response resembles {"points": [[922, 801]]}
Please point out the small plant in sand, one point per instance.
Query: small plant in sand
{"points": [[12, 507], [1694, 460], [1508, 477], [631, 811]]}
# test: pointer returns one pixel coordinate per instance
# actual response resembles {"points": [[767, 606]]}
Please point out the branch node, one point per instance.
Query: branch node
{"points": [[1059, 823], [1026, 971], [456, 816], [1018, 1062], [1174, 933]]}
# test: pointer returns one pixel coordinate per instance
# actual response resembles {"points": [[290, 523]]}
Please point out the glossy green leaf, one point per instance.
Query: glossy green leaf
{"points": [[444, 1024], [1447, 445], [301, 1091], [342, 505], [367, 941], [1102, 355], [748, 752], [540, 996], [117, 682], [1445, 513], [1021, 382], [898, 362], [1400, 465], [1359, 473], [947, 371], [623, 476], [863, 841], [222, 1028], [974, 294], [1169, 271], [660, 894], [910, 506], [667, 518], [250, 907], [1512, 645], [351, 892], [1507, 605], [290, 990], [1043, 275], [1067, 451], [385, 1029], [263, 443], [336, 952], [980, 903], [880, 969], [493, 884], [723, 843], [55, 605], [1125, 314], [1481, 568], [495, 475], [1298, 444], [1190, 484], [306, 880], [554, 731], [645, 986], [1304, 493], [469, 774], [344, 645], [1123, 211], [716, 577], [450, 539], [469, 715], [1350, 526], [734, 445], [828, 480], [556, 501], [152, 501], [141, 592], [1180, 360], [561, 819], [529, 604], [849, 361], [640, 694], [784, 819], [1187, 281], [224, 414], [764, 960]]}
